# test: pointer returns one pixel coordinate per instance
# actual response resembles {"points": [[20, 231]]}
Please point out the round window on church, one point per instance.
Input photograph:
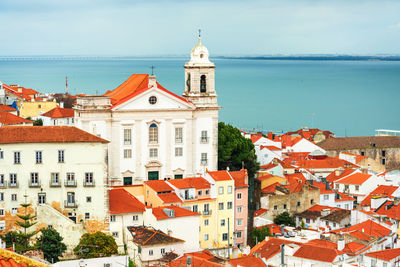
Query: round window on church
{"points": [[152, 100], [201, 55]]}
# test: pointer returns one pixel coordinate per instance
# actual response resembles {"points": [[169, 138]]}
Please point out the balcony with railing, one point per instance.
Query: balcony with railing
{"points": [[70, 204], [88, 183], [55, 183], [70, 183], [13, 184], [34, 184], [207, 212]]}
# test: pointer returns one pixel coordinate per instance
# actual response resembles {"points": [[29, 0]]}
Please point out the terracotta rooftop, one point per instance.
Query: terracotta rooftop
{"points": [[323, 188], [168, 198], [389, 209], [327, 163], [369, 228], [7, 118], [46, 134], [259, 212], [147, 236], [59, 112], [268, 166], [343, 197], [122, 201], [335, 215], [159, 186], [354, 248], [220, 175], [317, 253], [333, 177], [380, 191], [240, 178], [196, 182], [12, 259], [355, 179], [386, 255], [322, 243], [360, 142], [7, 108], [247, 261], [269, 248], [161, 212], [199, 259]]}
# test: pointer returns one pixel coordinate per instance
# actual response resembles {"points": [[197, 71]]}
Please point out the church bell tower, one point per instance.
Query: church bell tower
{"points": [[200, 78]]}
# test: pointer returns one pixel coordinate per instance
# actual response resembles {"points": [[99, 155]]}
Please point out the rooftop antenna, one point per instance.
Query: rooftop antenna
{"points": [[152, 70], [199, 36], [66, 84]]}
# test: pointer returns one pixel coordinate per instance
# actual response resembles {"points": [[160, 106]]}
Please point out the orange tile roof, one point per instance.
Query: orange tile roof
{"points": [[333, 177], [147, 236], [386, 254], [269, 248], [296, 182], [255, 137], [356, 178], [220, 175], [322, 188], [322, 243], [380, 191], [317, 253], [368, 227], [59, 112], [272, 148], [196, 261], [240, 178], [196, 182], [265, 176], [354, 248], [179, 212], [390, 210], [159, 186], [133, 86], [9, 258], [270, 188], [247, 261], [8, 118], [268, 166], [343, 197], [6, 108], [327, 163], [259, 212], [169, 198], [46, 134], [122, 201]]}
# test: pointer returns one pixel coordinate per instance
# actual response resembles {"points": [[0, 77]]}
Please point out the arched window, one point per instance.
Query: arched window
{"points": [[203, 84], [188, 82], [153, 133]]}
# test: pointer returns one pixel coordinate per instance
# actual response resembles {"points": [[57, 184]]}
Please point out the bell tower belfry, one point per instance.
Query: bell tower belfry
{"points": [[200, 78]]}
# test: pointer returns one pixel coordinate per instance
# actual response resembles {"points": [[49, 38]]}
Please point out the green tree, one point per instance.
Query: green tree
{"points": [[235, 151], [26, 222], [50, 243], [302, 225], [38, 122], [285, 219], [96, 245], [258, 234], [13, 238]]}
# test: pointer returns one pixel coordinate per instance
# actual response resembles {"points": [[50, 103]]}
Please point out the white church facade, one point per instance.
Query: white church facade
{"points": [[153, 133]]}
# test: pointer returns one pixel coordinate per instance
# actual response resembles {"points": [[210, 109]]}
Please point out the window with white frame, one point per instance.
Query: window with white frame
{"points": [[225, 237], [17, 157], [112, 218], [89, 178], [239, 196], [153, 152], [326, 197], [239, 209], [205, 237], [204, 137], [221, 206], [239, 222], [2, 182], [221, 190], [178, 151], [14, 211], [60, 156], [162, 251], [238, 234], [13, 197], [87, 215], [230, 189], [229, 205], [34, 179], [38, 157], [203, 158], [206, 222], [115, 234], [127, 153], [153, 133], [127, 136], [223, 222], [178, 135], [195, 208], [13, 180], [55, 178], [1, 212], [135, 218], [150, 252]]}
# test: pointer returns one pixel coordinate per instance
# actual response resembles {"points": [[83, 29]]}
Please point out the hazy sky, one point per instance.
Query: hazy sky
{"points": [[234, 27]]}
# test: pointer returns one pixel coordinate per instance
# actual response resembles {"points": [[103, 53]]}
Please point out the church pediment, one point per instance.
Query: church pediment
{"points": [[154, 163], [155, 99]]}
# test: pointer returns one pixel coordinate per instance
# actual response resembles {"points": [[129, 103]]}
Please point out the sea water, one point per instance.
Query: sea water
{"points": [[350, 98]]}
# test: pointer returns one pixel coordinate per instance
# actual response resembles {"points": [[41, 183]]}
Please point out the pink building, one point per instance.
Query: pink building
{"points": [[241, 206]]}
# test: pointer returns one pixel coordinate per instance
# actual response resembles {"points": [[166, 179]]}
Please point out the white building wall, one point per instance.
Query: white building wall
{"points": [[327, 200]]}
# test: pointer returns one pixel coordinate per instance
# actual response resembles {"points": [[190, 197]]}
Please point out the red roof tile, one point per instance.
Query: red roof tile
{"points": [[255, 137], [390, 210], [122, 201], [327, 163], [380, 191], [169, 198], [59, 112], [333, 177], [322, 243], [240, 178], [270, 189], [159, 186], [179, 212], [220, 175], [272, 148], [8, 118], [268, 166], [247, 261], [354, 248], [46, 134], [196, 182], [356, 178], [368, 227], [343, 197], [259, 212], [265, 176], [6, 108], [317, 253], [386, 255], [196, 261], [269, 248], [322, 188]]}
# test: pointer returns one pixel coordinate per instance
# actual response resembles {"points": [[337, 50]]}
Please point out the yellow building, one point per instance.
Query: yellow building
{"points": [[223, 188], [268, 179], [35, 108]]}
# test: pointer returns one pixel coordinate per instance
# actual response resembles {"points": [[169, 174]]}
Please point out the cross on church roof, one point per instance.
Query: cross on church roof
{"points": [[152, 70]]}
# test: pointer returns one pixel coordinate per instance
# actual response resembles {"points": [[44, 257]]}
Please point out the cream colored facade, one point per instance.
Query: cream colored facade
{"points": [[187, 128], [72, 203]]}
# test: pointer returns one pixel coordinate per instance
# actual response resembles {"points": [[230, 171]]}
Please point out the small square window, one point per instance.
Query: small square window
{"points": [[205, 237], [162, 251], [207, 192], [151, 252], [1, 196], [153, 152], [206, 222], [13, 197], [298, 204], [87, 216], [127, 153], [223, 222], [221, 206], [230, 189], [1, 154], [135, 218], [275, 207], [225, 236], [112, 218], [229, 205], [239, 209], [178, 151], [284, 206], [88, 199], [239, 196], [14, 211], [200, 192], [1, 212], [221, 190], [115, 234]]}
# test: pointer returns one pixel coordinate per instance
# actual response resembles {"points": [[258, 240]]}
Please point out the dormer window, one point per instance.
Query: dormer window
{"points": [[203, 86]]}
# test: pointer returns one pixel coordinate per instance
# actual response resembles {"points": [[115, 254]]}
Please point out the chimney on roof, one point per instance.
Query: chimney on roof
{"points": [[152, 81], [327, 187], [270, 136], [340, 244], [282, 255], [62, 104], [325, 212]]}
